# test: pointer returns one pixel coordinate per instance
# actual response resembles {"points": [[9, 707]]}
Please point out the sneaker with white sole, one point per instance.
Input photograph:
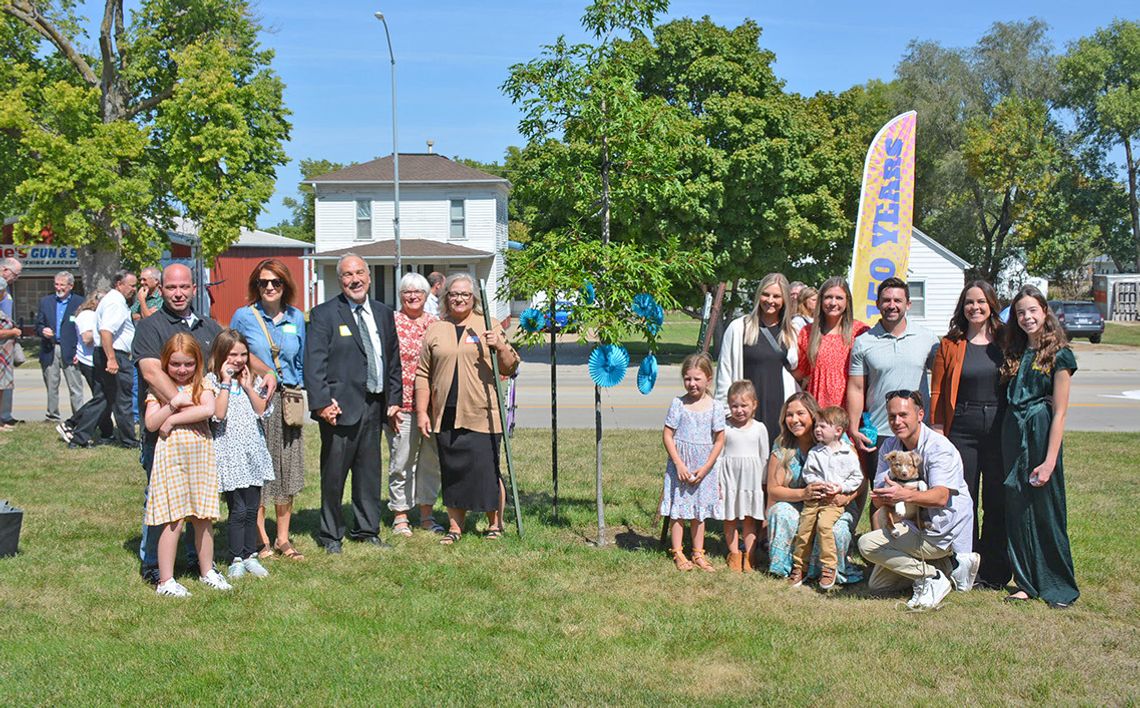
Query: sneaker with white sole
{"points": [[919, 588], [65, 433], [965, 571], [236, 570], [254, 567], [172, 588], [934, 591], [215, 580]]}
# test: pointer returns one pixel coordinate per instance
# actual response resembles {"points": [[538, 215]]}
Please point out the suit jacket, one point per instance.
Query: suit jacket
{"points": [[336, 365], [65, 334], [944, 377]]}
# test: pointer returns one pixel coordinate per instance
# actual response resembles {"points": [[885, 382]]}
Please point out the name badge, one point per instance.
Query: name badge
{"points": [[71, 318], [345, 331], [472, 339], [290, 328]]}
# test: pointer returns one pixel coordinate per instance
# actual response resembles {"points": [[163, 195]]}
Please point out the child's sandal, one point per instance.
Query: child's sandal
{"points": [[680, 560], [701, 562]]}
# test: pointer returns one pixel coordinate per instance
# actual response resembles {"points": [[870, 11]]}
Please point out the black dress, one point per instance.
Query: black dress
{"points": [[764, 367], [468, 460]]}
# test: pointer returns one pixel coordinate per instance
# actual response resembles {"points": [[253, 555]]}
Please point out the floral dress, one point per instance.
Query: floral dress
{"points": [[784, 520], [239, 442], [693, 433]]}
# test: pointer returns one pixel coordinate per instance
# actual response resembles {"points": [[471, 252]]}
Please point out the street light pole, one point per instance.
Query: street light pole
{"points": [[395, 156]]}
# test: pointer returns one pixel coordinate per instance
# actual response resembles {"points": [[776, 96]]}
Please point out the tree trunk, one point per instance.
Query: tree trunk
{"points": [[554, 401], [605, 184], [1133, 199], [598, 464], [97, 267]]}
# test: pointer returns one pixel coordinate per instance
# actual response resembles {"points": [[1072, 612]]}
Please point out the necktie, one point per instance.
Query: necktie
{"points": [[370, 353]]}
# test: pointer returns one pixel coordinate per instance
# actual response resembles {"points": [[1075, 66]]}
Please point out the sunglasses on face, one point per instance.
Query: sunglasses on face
{"points": [[266, 283]]}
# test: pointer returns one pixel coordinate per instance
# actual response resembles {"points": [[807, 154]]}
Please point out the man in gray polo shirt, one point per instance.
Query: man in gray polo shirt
{"points": [[946, 513], [893, 355]]}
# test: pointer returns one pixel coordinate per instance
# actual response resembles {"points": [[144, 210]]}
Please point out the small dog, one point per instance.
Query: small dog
{"points": [[904, 470]]}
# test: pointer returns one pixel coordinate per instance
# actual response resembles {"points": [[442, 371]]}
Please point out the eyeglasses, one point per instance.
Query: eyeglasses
{"points": [[266, 283], [412, 294], [462, 297]]}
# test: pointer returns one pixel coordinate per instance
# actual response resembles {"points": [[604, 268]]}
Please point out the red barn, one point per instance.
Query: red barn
{"points": [[228, 281]]}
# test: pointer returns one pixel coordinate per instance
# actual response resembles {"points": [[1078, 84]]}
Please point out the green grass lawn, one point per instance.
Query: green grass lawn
{"points": [[678, 339], [548, 618], [1120, 333]]}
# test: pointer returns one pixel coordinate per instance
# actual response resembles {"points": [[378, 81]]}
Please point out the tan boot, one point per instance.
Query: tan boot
{"points": [[746, 563], [735, 561]]}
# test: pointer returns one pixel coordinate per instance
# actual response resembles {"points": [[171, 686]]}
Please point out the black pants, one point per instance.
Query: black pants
{"points": [[353, 447], [976, 432], [111, 394], [105, 428], [241, 528]]}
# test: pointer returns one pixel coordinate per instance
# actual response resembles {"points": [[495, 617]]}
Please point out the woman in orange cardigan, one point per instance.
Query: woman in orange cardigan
{"points": [[967, 405]]}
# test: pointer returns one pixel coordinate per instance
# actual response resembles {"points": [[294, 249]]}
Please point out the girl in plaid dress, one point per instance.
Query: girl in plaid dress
{"points": [[183, 481]]}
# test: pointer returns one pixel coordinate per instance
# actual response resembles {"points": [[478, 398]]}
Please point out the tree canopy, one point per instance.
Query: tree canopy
{"points": [[177, 114]]}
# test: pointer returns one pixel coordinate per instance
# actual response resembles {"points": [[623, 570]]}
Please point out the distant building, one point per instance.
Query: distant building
{"points": [[936, 276], [453, 218]]}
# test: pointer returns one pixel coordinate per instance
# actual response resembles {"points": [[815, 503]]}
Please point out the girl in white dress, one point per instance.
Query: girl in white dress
{"points": [[742, 474]]}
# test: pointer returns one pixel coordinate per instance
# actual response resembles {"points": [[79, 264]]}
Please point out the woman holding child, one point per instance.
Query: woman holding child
{"points": [[788, 492]]}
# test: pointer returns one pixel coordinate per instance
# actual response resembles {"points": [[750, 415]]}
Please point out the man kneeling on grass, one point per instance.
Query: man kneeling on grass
{"points": [[922, 555]]}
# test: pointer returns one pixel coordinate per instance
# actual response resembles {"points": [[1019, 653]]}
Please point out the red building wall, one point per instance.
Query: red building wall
{"points": [[229, 278]]}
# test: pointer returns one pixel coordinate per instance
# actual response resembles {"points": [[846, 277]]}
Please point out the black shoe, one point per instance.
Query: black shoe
{"points": [[332, 547], [149, 574], [52, 418], [73, 445], [106, 441], [373, 541], [128, 445]]}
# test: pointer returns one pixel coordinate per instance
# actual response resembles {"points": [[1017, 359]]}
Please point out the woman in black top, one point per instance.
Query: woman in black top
{"points": [[967, 405]]}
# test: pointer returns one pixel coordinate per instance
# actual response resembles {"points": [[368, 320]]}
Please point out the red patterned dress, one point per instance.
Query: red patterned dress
{"points": [[411, 335], [827, 378]]}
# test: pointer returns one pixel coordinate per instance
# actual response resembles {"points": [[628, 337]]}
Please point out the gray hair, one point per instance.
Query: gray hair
{"points": [[11, 263], [414, 281], [3, 286], [435, 278], [445, 302], [120, 276], [153, 272], [344, 258], [67, 275]]}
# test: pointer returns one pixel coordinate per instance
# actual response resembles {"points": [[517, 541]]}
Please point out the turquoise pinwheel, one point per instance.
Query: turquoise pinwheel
{"points": [[532, 320], [648, 309], [647, 374], [607, 364], [589, 295]]}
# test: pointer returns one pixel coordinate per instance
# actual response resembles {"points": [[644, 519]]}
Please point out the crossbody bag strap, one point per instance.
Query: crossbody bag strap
{"points": [[273, 348], [775, 345]]}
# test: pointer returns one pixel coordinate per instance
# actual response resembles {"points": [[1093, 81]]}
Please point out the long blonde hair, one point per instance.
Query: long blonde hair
{"points": [[752, 320], [846, 322]]}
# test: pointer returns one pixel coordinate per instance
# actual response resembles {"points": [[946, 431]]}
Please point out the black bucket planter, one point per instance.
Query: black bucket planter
{"points": [[11, 519]]}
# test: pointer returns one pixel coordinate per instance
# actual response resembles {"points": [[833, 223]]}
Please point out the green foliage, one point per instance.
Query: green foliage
{"points": [[1101, 76], [178, 115]]}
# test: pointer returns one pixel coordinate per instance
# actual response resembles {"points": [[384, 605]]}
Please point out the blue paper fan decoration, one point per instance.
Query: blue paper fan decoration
{"points": [[647, 374], [589, 296], [532, 320], [644, 306], [607, 364]]}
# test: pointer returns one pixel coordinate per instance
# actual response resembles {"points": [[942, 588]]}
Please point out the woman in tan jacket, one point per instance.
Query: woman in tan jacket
{"points": [[455, 398], [967, 404]]}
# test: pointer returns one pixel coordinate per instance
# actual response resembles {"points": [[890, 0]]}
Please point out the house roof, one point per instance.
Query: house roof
{"points": [[940, 249], [267, 239], [410, 249], [414, 167]]}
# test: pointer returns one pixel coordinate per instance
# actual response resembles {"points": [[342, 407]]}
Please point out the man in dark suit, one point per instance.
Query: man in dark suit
{"points": [[55, 323], [354, 384]]}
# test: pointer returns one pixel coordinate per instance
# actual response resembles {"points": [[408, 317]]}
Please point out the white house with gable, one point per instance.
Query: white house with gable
{"points": [[453, 219], [936, 276]]}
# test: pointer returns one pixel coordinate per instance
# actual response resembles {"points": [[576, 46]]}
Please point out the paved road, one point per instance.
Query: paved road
{"points": [[1100, 399]]}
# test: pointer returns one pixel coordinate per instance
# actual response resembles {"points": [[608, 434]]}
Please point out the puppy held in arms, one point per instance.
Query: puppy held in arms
{"points": [[904, 471]]}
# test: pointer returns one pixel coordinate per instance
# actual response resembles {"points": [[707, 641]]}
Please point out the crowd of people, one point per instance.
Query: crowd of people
{"points": [[805, 423], [814, 417]]}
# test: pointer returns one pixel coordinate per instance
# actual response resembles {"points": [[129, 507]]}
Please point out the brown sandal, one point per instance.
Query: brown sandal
{"points": [[701, 562], [286, 549], [680, 560]]}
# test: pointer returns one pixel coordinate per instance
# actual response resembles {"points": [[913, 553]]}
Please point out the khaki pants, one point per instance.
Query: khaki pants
{"points": [[899, 561], [413, 466], [817, 518], [71, 374]]}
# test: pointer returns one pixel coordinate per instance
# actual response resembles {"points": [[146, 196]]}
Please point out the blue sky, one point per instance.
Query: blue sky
{"points": [[453, 55]]}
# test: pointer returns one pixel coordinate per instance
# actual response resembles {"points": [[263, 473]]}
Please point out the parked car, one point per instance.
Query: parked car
{"points": [[562, 310], [1079, 319]]}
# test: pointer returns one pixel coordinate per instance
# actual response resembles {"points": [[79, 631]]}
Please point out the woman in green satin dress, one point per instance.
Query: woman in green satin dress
{"points": [[1039, 366]]}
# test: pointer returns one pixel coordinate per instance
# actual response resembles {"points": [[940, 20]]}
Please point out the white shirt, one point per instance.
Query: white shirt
{"points": [[431, 305], [85, 322], [839, 466], [114, 315], [374, 335]]}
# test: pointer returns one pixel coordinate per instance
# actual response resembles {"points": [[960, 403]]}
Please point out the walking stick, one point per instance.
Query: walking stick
{"points": [[502, 410]]}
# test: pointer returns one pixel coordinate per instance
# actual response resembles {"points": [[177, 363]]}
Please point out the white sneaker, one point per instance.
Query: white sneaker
{"points": [[215, 580], [965, 571], [65, 433], [254, 567], [172, 588], [237, 569], [935, 590], [919, 589]]}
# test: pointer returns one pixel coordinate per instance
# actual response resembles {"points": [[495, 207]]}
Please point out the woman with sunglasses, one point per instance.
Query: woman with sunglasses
{"points": [[276, 333]]}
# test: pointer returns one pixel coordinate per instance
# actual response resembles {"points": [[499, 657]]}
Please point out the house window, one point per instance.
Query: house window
{"points": [[917, 298], [458, 220], [363, 219]]}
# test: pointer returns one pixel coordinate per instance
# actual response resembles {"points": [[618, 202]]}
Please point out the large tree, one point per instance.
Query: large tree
{"points": [[174, 113], [987, 144], [1101, 77]]}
